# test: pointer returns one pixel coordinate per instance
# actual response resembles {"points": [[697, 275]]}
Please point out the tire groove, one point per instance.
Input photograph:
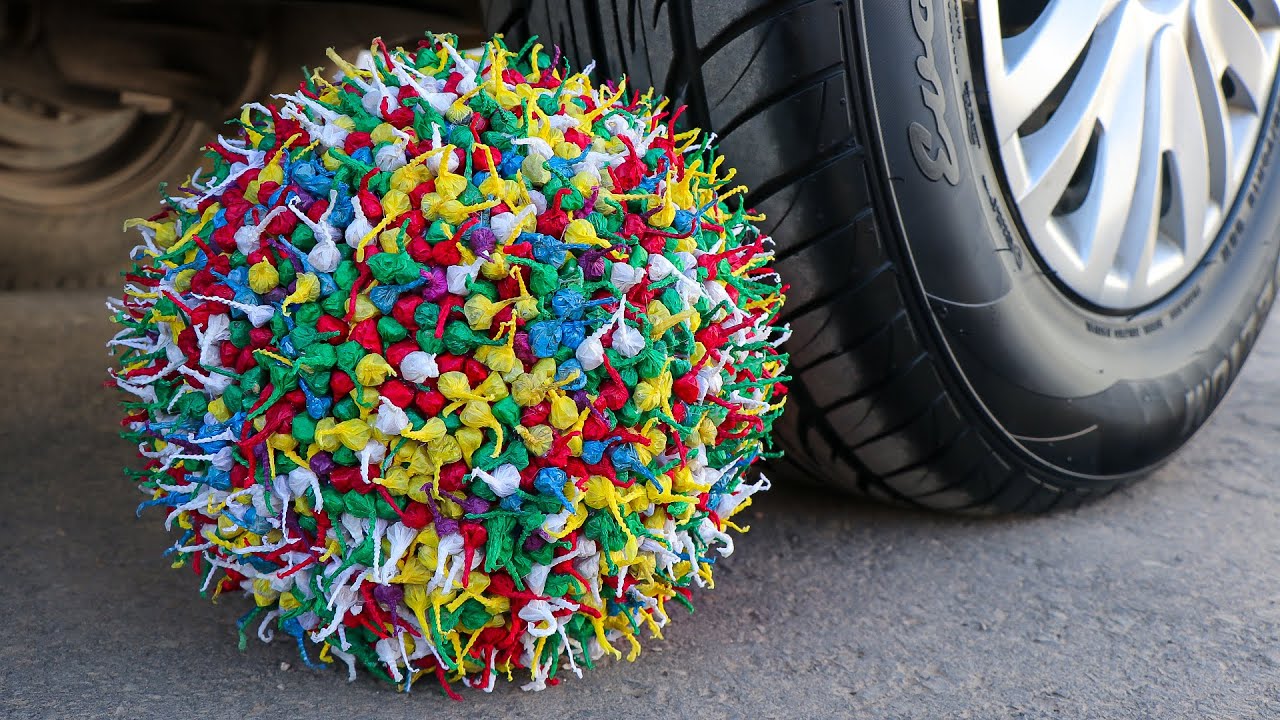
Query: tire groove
{"points": [[801, 86], [843, 350], [907, 422], [771, 187], [873, 388], [745, 24], [933, 456], [595, 39], [680, 21], [823, 300], [816, 239]]}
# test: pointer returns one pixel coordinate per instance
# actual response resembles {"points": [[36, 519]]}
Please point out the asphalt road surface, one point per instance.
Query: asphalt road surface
{"points": [[1160, 602]]}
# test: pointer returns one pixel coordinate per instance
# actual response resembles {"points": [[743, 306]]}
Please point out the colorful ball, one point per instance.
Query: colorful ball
{"points": [[457, 364]]}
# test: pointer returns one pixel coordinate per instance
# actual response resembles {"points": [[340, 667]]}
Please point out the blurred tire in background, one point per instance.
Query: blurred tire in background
{"points": [[102, 101]]}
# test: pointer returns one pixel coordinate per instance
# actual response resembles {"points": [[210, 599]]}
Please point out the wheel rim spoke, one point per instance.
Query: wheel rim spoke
{"points": [[1038, 58], [1125, 128], [1117, 197]]}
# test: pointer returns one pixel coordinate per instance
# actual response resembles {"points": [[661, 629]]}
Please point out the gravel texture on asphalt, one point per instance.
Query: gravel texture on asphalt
{"points": [[1162, 601]]}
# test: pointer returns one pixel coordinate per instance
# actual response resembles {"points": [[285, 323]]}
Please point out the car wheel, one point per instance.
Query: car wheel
{"points": [[1030, 244], [76, 156], [101, 101]]}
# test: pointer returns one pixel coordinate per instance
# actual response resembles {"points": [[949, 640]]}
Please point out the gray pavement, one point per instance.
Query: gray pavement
{"points": [[1161, 602]]}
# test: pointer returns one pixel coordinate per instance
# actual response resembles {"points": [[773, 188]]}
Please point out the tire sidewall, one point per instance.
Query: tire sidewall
{"points": [[1071, 391]]}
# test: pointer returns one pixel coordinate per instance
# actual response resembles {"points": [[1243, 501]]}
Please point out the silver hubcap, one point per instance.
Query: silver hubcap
{"points": [[1125, 128]]}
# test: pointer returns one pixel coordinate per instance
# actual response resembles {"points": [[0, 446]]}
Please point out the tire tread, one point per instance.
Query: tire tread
{"points": [[911, 444]]}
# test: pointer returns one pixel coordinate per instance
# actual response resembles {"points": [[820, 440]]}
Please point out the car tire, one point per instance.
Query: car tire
{"points": [[938, 359], [102, 101], [57, 241]]}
